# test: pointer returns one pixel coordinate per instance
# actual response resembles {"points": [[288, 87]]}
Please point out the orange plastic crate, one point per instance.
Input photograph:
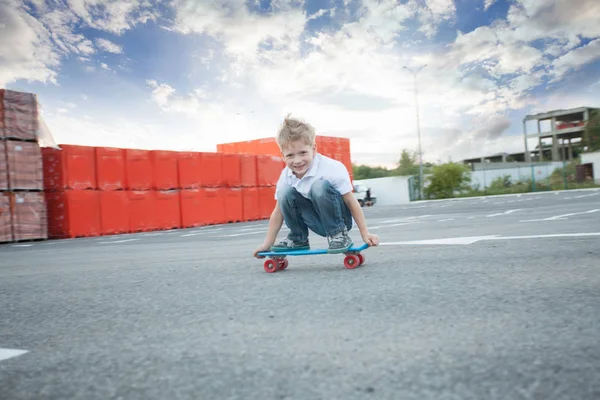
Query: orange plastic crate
{"points": [[190, 201], [234, 205], [142, 211], [251, 203], [167, 208], [110, 168], [114, 212], [266, 201], [268, 170], [232, 170], [73, 213], [164, 170], [248, 170], [211, 169], [188, 169], [213, 205], [138, 169], [72, 167]]}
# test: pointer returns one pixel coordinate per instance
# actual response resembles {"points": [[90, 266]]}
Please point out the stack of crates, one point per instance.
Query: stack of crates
{"points": [[334, 147], [23, 213]]}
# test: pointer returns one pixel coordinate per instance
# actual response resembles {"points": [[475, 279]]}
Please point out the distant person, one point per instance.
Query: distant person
{"points": [[368, 199], [313, 192]]}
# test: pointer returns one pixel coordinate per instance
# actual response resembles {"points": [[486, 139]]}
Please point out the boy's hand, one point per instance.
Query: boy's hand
{"points": [[261, 248], [370, 239]]}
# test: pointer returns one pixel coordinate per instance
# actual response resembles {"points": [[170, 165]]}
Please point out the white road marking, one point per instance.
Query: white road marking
{"points": [[262, 228], [21, 245], [503, 213], [471, 217], [242, 234], [5, 354], [560, 217], [445, 241], [390, 225], [201, 232], [195, 234], [474, 239], [119, 241], [389, 221], [586, 195], [447, 219]]}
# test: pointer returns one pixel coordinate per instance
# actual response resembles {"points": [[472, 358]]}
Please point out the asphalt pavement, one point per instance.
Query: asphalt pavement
{"points": [[480, 298]]}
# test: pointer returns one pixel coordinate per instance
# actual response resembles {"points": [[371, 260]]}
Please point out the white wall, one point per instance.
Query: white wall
{"points": [[390, 190], [593, 158]]}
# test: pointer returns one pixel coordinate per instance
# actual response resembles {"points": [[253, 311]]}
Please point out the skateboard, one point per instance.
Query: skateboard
{"points": [[278, 262]]}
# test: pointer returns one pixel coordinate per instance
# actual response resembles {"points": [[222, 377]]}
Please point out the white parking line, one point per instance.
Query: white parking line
{"points": [[474, 239], [5, 354], [119, 241], [390, 225], [560, 217], [242, 234], [503, 213], [586, 195]]}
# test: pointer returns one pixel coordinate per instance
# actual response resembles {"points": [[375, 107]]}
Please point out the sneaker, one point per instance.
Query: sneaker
{"points": [[339, 243], [288, 244]]}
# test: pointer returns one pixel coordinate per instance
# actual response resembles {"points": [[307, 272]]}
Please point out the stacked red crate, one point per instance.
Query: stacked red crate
{"points": [[3, 167], [6, 234], [18, 115], [29, 215], [22, 203], [70, 183], [266, 153]]}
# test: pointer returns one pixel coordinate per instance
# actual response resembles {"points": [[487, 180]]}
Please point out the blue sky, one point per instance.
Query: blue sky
{"points": [[187, 75]]}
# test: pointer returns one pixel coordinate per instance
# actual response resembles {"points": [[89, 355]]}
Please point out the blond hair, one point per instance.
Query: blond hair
{"points": [[293, 129]]}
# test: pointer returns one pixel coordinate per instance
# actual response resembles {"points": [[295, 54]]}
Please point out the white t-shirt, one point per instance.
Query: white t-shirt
{"points": [[322, 167]]}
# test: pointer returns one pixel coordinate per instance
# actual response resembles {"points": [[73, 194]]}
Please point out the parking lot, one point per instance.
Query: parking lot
{"points": [[479, 298]]}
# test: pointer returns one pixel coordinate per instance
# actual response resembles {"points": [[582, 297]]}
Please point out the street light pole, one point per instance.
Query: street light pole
{"points": [[418, 129]]}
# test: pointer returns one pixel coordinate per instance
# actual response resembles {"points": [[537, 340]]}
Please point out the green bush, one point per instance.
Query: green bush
{"points": [[448, 180]]}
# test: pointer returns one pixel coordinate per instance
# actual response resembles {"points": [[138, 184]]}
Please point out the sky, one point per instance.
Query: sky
{"points": [[186, 75]]}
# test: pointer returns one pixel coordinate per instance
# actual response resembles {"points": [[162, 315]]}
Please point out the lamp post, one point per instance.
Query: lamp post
{"points": [[418, 129]]}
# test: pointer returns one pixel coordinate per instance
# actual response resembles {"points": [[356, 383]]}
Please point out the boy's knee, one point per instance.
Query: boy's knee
{"points": [[319, 188], [286, 194]]}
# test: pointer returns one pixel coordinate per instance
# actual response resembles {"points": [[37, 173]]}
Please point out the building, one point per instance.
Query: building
{"points": [[566, 134]]}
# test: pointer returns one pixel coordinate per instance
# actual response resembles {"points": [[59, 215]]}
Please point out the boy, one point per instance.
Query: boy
{"points": [[313, 192]]}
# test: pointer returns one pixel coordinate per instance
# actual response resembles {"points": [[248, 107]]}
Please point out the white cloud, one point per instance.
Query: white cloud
{"points": [[241, 32], [26, 49], [435, 12], [574, 59], [114, 16], [32, 48], [488, 3], [109, 46]]}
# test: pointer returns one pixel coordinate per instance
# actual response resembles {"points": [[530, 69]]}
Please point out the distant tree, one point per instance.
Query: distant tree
{"points": [[446, 180], [591, 135], [366, 172], [407, 165]]}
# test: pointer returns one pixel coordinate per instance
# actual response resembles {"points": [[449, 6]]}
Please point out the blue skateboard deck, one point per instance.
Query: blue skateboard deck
{"points": [[278, 262], [307, 252]]}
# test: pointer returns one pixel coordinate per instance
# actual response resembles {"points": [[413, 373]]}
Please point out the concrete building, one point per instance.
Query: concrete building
{"points": [[566, 133]]}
